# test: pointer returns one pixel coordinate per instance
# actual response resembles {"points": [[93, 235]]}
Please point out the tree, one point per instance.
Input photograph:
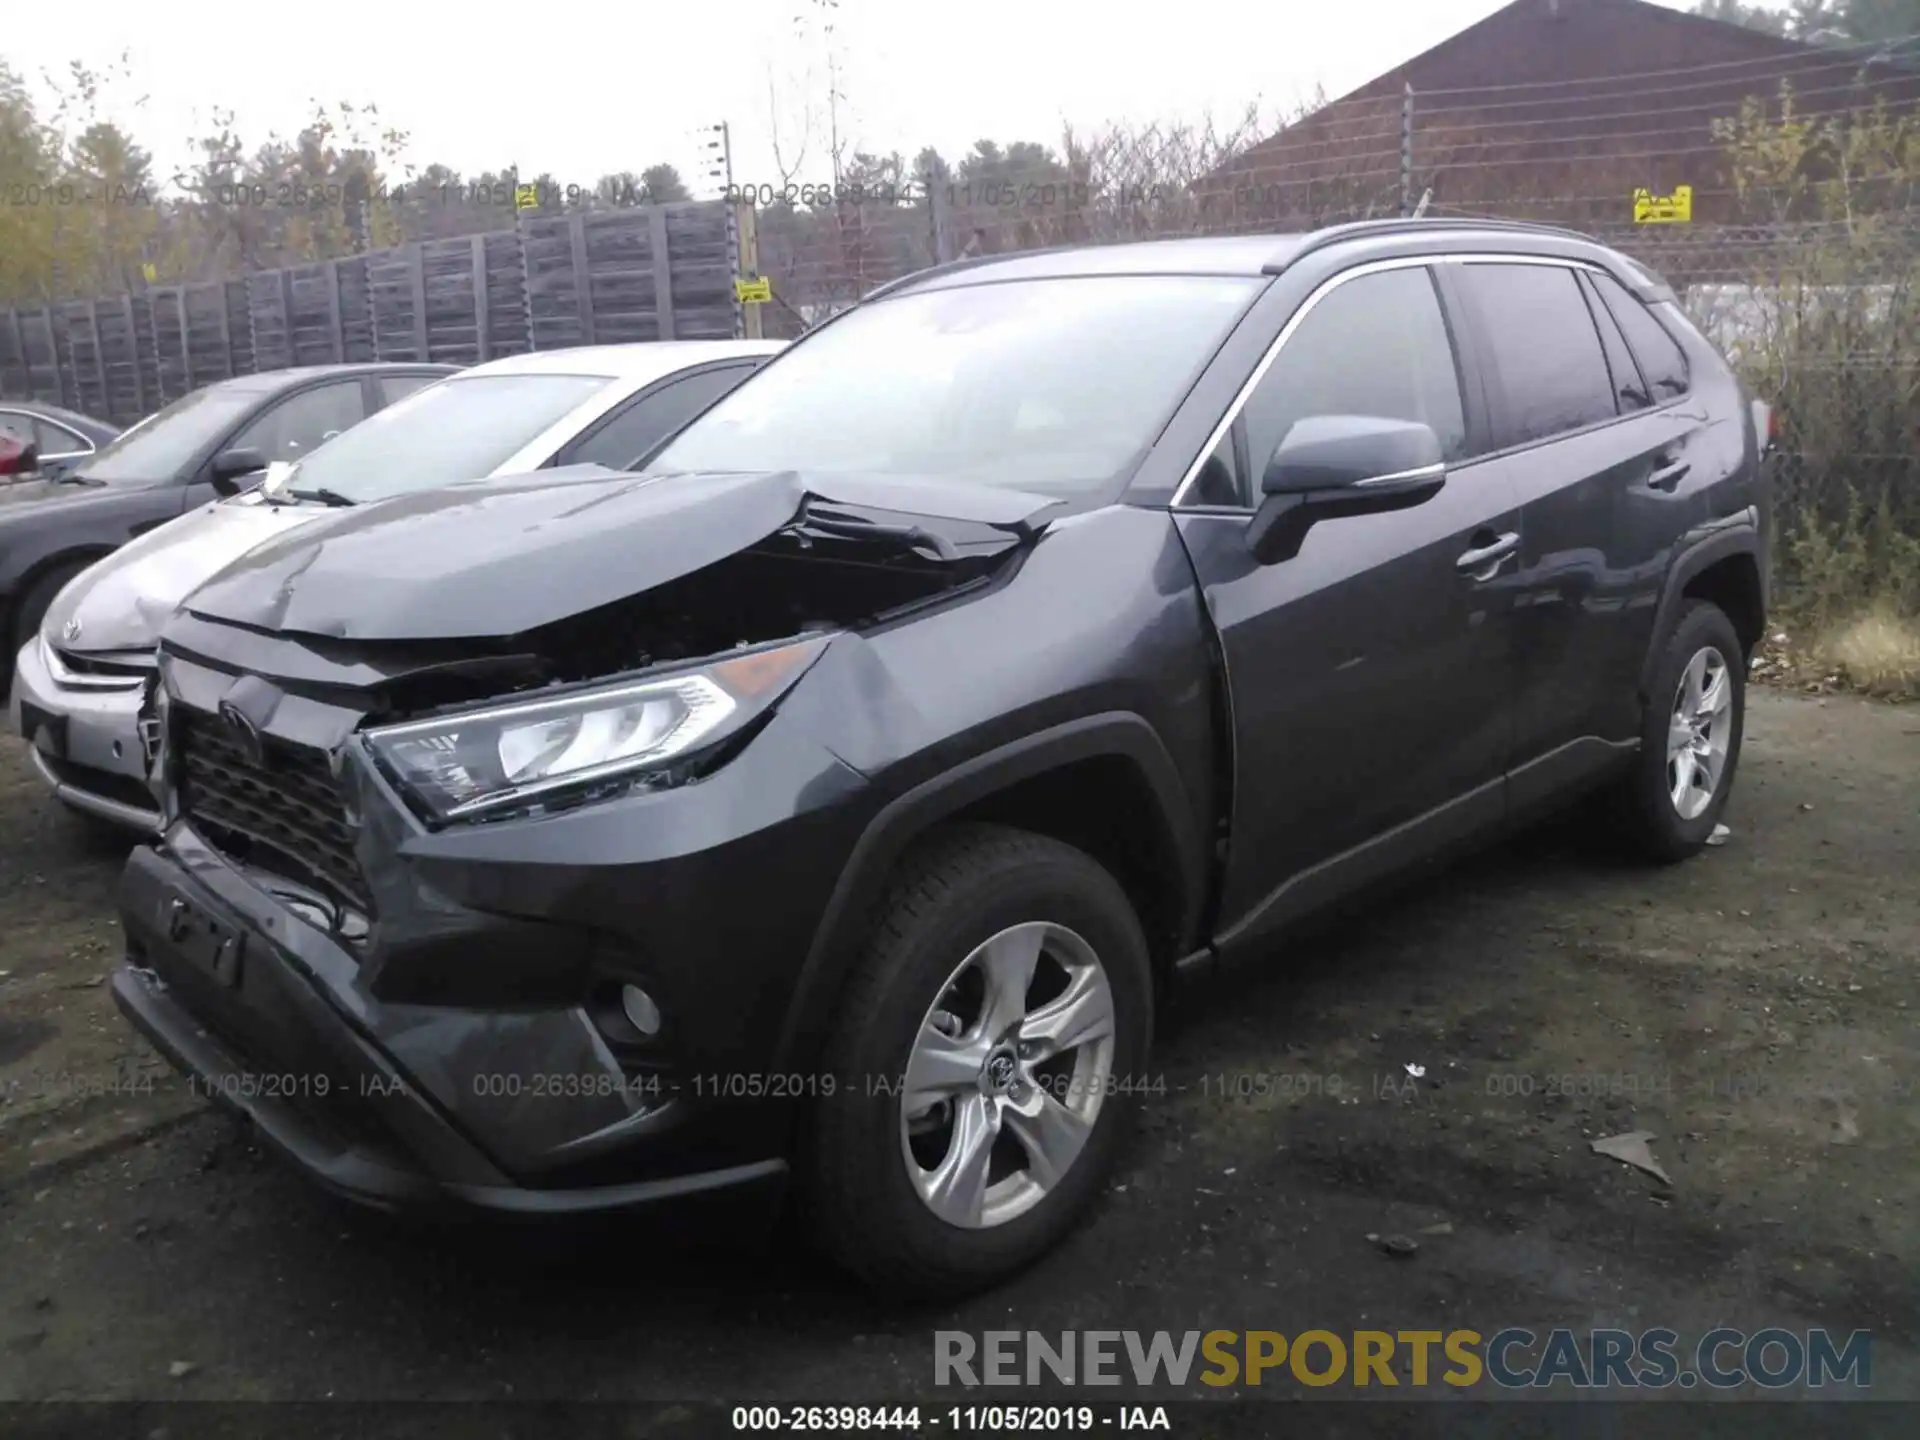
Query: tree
{"points": [[814, 53], [28, 161], [662, 185], [1823, 21], [930, 167], [1740, 12], [325, 193], [1881, 20], [114, 236]]}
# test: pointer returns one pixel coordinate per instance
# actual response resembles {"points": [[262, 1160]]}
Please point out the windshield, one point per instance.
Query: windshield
{"points": [[463, 428], [1056, 386], [457, 429], [161, 445]]}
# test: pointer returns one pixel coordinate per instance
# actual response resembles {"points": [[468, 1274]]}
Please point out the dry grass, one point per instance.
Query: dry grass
{"points": [[1876, 653], [1879, 653]]}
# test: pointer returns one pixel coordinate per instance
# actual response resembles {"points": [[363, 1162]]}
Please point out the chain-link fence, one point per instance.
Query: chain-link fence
{"points": [[1787, 220]]}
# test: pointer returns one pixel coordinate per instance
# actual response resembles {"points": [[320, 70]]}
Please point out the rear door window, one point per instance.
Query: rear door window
{"points": [[1552, 370], [1661, 359], [1629, 389], [302, 423], [645, 422]]}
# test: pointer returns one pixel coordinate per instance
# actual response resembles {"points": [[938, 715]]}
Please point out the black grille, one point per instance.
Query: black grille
{"points": [[284, 813], [107, 667]]}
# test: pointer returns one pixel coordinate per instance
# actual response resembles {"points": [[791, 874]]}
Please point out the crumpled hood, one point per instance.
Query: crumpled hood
{"points": [[502, 556], [123, 601]]}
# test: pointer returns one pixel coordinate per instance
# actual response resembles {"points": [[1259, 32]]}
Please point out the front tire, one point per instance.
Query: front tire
{"points": [[983, 1059], [1669, 801]]}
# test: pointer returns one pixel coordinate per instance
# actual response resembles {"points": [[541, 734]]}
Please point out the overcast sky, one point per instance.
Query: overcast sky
{"points": [[598, 88]]}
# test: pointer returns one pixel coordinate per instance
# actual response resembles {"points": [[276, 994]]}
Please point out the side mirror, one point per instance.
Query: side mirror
{"points": [[230, 465], [1332, 466], [17, 459]]}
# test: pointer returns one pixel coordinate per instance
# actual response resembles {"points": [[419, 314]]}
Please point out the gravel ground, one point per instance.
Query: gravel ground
{"points": [[1753, 1008]]}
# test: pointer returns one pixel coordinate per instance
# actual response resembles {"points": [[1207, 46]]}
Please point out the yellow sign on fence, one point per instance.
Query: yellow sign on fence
{"points": [[1674, 209], [753, 292], [526, 197]]}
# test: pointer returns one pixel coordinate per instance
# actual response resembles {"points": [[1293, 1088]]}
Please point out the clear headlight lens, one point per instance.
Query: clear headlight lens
{"points": [[477, 761]]}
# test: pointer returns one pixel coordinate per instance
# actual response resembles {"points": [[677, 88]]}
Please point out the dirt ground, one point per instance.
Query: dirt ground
{"points": [[1754, 1008]]}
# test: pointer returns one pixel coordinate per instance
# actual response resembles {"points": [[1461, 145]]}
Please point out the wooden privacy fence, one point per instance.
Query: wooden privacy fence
{"points": [[656, 272]]}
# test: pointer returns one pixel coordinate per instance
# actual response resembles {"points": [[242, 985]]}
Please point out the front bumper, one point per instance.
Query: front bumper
{"points": [[245, 999], [460, 989], [86, 742]]}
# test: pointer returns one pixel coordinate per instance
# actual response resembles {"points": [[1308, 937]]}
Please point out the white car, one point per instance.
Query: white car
{"points": [[605, 404]]}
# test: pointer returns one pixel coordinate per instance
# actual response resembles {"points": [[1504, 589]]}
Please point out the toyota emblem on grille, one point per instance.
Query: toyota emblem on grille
{"points": [[245, 733], [70, 632]]}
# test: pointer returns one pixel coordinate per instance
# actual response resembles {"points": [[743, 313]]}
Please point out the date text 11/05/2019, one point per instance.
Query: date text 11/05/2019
{"points": [[871, 1419], [968, 195], [798, 1085], [645, 1087]]}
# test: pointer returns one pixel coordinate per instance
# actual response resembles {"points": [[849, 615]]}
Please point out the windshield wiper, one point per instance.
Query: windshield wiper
{"points": [[74, 477], [323, 495]]}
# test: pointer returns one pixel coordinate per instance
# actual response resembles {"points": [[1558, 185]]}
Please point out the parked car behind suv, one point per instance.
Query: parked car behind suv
{"points": [[61, 439], [835, 801], [82, 683], [202, 445]]}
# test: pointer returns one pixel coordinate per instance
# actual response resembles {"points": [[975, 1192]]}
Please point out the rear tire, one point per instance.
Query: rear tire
{"points": [[1666, 805], [932, 1052]]}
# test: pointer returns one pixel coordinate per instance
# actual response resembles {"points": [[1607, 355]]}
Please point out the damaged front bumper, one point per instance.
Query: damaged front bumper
{"points": [[254, 1034], [84, 733], [456, 1050]]}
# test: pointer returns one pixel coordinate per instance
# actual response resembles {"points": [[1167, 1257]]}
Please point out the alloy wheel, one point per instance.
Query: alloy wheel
{"points": [[1698, 731], [1007, 1075]]}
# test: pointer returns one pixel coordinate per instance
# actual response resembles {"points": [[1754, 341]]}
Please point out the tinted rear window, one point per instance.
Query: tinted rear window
{"points": [[1659, 354], [1552, 369]]}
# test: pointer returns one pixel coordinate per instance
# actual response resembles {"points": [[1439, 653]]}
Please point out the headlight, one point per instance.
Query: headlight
{"points": [[477, 761]]}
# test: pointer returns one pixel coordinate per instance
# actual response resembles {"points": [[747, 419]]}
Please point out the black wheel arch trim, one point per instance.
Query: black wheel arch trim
{"points": [[903, 820], [1737, 535]]}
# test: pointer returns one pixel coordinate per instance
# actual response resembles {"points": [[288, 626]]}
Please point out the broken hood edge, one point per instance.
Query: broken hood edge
{"points": [[511, 554]]}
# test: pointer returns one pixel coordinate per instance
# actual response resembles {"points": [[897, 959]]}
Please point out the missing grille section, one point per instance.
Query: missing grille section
{"points": [[284, 813], [105, 783]]}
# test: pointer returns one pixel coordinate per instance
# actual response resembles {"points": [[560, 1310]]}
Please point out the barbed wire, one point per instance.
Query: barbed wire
{"points": [[1427, 116], [1879, 47]]}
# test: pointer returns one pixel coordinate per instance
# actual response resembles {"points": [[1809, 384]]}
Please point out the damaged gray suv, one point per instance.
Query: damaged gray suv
{"points": [[828, 805]]}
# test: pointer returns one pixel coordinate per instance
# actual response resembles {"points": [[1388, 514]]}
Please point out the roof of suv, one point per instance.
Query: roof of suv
{"points": [[640, 361], [1249, 255]]}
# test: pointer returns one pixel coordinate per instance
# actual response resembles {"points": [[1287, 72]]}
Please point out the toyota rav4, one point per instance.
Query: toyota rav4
{"points": [[830, 802]]}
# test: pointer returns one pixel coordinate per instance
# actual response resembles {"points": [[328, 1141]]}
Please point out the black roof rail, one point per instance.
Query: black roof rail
{"points": [[1355, 229]]}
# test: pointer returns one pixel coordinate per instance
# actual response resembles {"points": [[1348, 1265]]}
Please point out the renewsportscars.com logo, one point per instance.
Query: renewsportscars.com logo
{"points": [[1513, 1358]]}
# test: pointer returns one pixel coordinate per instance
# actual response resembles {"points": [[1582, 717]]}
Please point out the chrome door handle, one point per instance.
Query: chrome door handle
{"points": [[1483, 561]]}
